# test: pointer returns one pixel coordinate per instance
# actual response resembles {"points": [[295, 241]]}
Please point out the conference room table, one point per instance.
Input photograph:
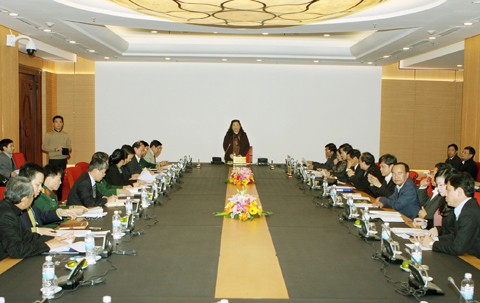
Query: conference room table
{"points": [[322, 258]]}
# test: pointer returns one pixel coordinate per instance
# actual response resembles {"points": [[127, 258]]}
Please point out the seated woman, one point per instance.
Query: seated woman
{"points": [[235, 142], [115, 175]]}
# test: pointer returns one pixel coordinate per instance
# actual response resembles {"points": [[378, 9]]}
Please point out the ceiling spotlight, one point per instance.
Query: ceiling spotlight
{"points": [[167, 58], [459, 65], [315, 61], [47, 30], [265, 34], [154, 32], [370, 62], [326, 35], [13, 14], [224, 59], [259, 60], [91, 50], [406, 48], [72, 41], [386, 56], [467, 23], [106, 58], [432, 38]]}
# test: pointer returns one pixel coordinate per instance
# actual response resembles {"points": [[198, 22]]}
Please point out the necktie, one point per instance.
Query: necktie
{"points": [[13, 164], [94, 190]]}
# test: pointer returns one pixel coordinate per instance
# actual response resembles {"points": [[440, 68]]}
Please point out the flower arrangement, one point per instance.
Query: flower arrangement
{"points": [[241, 176], [243, 207]]}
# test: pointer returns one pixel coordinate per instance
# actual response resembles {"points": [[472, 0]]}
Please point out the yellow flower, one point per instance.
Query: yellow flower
{"points": [[254, 203], [243, 217], [260, 211], [253, 210]]}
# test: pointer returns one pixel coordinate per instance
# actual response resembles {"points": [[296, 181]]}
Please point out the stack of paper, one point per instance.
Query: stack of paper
{"points": [[146, 176], [387, 216], [94, 212]]}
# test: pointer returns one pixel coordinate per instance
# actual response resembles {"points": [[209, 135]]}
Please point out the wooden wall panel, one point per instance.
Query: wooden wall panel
{"points": [[471, 97]]}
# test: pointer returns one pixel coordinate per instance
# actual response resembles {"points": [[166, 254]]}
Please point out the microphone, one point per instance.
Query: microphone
{"points": [[451, 281]]}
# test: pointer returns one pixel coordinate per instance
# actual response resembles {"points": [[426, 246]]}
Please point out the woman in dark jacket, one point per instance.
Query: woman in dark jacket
{"points": [[235, 142]]}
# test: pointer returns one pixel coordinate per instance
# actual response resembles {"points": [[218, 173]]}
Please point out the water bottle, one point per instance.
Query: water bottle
{"points": [[128, 206], [325, 186], [48, 279], [116, 225], [90, 248], [417, 253], [107, 299], [2, 300], [144, 197], [366, 216], [155, 190], [333, 193], [385, 234], [467, 287]]}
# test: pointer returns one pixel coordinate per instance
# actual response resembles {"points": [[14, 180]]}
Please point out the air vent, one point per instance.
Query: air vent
{"points": [[59, 36], [396, 53], [449, 31], [29, 22], [419, 43]]}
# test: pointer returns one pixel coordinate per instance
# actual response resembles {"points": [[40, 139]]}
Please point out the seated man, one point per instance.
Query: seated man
{"points": [[153, 152], [385, 188], [15, 240], [84, 191], [452, 156], [330, 155], [341, 174], [463, 234], [367, 164], [33, 217], [134, 166], [468, 164], [429, 205], [354, 171], [404, 199], [7, 165]]}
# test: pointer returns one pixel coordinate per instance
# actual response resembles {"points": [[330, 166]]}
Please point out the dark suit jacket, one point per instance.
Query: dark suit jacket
{"points": [[355, 180], [327, 165], [82, 193], [340, 171], [115, 177], [386, 190], [6, 166], [133, 167], [470, 167], [405, 201], [455, 162], [15, 240], [364, 185], [430, 205], [228, 145], [42, 217], [465, 237]]}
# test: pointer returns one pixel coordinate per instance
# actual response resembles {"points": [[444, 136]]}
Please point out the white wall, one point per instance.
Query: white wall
{"points": [[285, 109]]}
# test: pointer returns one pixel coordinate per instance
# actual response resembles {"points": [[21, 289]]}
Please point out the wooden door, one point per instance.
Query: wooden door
{"points": [[30, 106]]}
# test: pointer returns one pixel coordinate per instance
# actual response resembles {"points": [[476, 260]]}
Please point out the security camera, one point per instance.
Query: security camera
{"points": [[31, 48]]}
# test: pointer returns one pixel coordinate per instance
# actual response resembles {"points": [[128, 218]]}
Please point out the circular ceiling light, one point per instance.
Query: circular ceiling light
{"points": [[248, 13]]}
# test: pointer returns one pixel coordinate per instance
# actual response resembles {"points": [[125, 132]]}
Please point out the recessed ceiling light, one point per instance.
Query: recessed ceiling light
{"points": [[432, 38], [91, 50], [259, 60], [315, 61], [265, 34], [224, 59], [386, 56], [106, 58], [467, 23], [154, 32], [326, 35], [72, 41], [13, 14], [406, 48], [215, 32], [370, 62], [167, 58], [47, 30], [459, 65]]}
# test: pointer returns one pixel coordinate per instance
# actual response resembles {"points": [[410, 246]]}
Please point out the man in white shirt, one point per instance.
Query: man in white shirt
{"points": [[387, 187]]}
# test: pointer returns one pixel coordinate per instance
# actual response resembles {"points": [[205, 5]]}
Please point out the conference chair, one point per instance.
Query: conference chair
{"points": [[478, 173], [414, 176], [249, 156], [71, 175], [2, 190], [19, 159], [83, 166]]}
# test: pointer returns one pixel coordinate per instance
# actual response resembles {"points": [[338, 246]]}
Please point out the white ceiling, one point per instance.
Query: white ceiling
{"points": [[377, 36]]}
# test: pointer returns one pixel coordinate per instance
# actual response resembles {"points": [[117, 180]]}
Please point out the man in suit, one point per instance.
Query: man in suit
{"points": [[385, 188], [84, 191], [452, 157], [464, 236], [343, 151], [134, 166], [330, 155], [367, 164], [15, 240], [153, 152], [7, 165], [404, 199], [468, 164], [354, 171]]}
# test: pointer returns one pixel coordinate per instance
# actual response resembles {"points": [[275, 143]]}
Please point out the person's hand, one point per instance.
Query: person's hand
{"points": [[350, 172], [71, 213], [58, 148], [374, 180], [67, 237], [139, 183], [80, 209], [425, 182], [327, 173], [422, 213], [44, 231], [112, 199], [56, 243], [433, 232], [335, 161], [377, 203], [124, 191], [13, 174]]}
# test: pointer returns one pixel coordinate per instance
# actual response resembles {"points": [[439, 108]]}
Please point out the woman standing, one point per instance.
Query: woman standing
{"points": [[235, 142]]}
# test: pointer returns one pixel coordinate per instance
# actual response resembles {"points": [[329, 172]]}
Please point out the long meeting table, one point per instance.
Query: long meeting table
{"points": [[322, 258]]}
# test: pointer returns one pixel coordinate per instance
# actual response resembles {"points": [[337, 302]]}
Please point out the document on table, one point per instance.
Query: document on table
{"points": [[146, 176], [387, 216], [406, 233], [94, 212], [365, 205], [81, 233], [116, 203], [411, 245]]}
